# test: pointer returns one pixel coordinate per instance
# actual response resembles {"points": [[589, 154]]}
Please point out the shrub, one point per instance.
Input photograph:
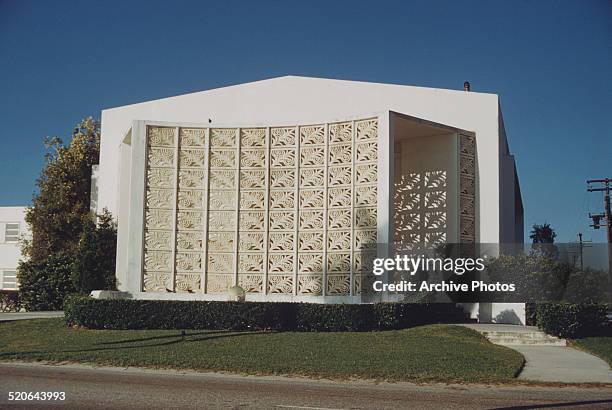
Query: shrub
{"points": [[93, 267], [9, 301], [587, 285], [569, 320], [537, 277], [44, 285], [163, 314], [531, 314]]}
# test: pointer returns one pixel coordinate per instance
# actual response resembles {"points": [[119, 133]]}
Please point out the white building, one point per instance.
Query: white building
{"points": [[289, 187], [12, 228]]}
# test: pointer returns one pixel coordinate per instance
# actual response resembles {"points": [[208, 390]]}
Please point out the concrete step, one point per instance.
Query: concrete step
{"points": [[523, 338], [519, 342]]}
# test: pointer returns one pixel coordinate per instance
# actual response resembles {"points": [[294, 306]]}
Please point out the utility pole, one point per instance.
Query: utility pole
{"points": [[580, 245], [604, 185]]}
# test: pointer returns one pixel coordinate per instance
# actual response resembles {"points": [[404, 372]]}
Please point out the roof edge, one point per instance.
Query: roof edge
{"points": [[307, 78]]}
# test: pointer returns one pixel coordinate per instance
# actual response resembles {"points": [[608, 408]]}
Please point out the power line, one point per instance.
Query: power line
{"points": [[580, 245], [603, 185]]}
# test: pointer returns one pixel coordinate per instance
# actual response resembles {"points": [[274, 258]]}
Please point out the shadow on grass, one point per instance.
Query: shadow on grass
{"points": [[180, 339], [144, 339]]}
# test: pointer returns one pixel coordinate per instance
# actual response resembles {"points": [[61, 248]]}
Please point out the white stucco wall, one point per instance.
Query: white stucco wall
{"points": [[303, 100], [511, 229], [506, 313], [433, 153], [10, 252]]}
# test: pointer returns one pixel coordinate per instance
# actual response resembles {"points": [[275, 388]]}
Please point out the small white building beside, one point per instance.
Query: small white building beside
{"points": [[12, 228], [290, 187]]}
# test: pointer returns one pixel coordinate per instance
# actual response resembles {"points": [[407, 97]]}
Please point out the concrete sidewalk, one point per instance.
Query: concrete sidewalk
{"points": [[7, 317], [562, 364], [545, 361]]}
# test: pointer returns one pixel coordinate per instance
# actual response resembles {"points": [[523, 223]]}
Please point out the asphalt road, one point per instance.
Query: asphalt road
{"points": [[93, 388]]}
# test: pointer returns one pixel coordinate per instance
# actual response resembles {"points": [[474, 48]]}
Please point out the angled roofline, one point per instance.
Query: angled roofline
{"points": [[427, 122], [356, 82]]}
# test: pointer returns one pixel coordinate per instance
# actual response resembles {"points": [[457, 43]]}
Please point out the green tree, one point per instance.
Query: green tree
{"points": [[57, 216], [60, 208], [93, 266], [543, 239], [536, 277], [542, 234], [44, 285], [539, 278]]}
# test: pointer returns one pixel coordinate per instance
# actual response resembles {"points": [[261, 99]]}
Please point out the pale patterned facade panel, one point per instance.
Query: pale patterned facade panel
{"points": [[278, 210]]}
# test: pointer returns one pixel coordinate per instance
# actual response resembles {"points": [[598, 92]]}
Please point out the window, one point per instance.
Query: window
{"points": [[11, 233], [8, 279]]}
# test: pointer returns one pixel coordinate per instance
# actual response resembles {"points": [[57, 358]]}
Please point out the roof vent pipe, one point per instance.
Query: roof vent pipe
{"points": [[466, 86]]}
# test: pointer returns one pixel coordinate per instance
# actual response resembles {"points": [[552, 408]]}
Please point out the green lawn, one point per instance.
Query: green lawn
{"points": [[427, 353], [599, 346]]}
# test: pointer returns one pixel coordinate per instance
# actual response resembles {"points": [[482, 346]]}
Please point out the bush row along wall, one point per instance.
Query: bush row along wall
{"points": [[158, 314], [571, 320]]}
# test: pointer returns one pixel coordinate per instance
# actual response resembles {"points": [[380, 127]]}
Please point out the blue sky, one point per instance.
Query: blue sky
{"points": [[550, 62]]}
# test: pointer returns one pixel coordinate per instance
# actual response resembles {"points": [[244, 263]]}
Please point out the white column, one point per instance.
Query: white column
{"points": [[237, 220], [206, 186], [266, 210], [386, 164], [296, 240], [138, 176], [175, 209]]}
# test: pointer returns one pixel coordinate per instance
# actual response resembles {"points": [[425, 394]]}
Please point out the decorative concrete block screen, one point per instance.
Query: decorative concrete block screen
{"points": [[467, 188], [435, 191], [421, 208], [276, 210]]}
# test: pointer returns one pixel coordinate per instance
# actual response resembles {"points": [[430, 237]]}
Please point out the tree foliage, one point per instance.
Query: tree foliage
{"points": [[542, 234], [62, 226], [93, 266], [44, 285], [543, 238], [541, 278], [60, 208]]}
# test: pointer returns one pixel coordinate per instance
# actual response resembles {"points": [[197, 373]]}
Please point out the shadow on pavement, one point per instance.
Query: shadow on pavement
{"points": [[554, 405]]}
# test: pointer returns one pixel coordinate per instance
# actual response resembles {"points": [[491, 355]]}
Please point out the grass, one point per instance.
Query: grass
{"points": [[600, 346], [427, 353]]}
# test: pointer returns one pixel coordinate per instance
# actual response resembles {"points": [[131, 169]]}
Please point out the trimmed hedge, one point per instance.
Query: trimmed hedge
{"points": [[531, 316], [163, 314], [570, 320]]}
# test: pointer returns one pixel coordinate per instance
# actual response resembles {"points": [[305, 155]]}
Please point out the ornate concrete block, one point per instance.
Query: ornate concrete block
{"points": [[223, 137], [251, 283], [222, 158], [192, 137], [161, 136], [312, 135], [280, 284], [338, 284], [282, 137], [310, 262], [310, 284], [338, 262], [252, 137], [341, 132]]}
